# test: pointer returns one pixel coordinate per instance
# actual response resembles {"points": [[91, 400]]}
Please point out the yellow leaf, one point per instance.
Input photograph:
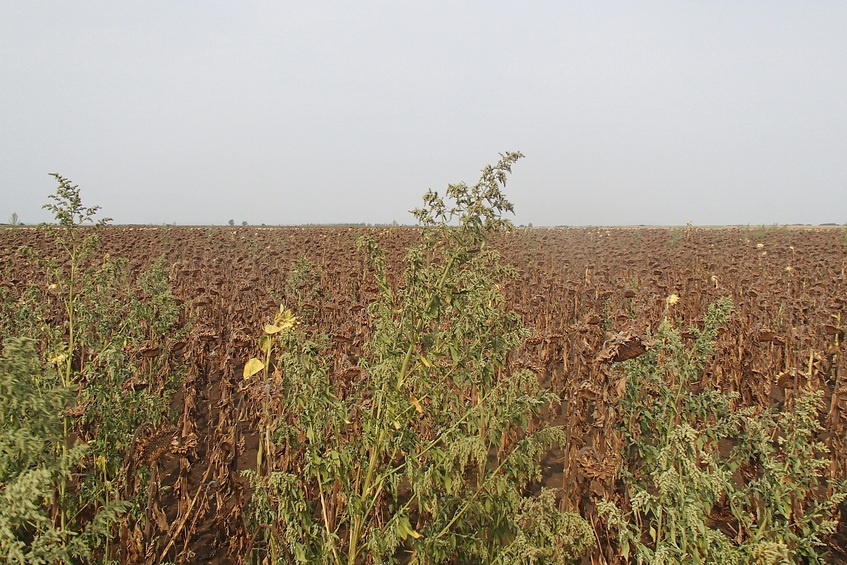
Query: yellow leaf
{"points": [[416, 404], [252, 367], [100, 461], [425, 361], [404, 529], [270, 329], [397, 425], [58, 359]]}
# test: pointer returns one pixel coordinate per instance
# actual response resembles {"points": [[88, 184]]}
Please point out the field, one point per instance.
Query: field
{"points": [[590, 298]]}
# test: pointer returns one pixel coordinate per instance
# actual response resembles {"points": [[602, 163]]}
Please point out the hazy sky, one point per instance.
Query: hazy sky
{"points": [[324, 112]]}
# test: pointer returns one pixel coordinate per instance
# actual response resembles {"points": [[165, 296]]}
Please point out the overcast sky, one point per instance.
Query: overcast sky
{"points": [[327, 112]]}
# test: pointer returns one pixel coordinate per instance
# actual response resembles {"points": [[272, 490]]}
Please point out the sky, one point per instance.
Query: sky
{"points": [[628, 113]]}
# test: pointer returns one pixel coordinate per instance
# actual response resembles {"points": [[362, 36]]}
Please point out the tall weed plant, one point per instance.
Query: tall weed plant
{"points": [[430, 456], [89, 358], [707, 481]]}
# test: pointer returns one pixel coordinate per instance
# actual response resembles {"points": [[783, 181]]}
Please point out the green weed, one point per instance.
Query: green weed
{"points": [[90, 356], [34, 461], [692, 499], [427, 458]]}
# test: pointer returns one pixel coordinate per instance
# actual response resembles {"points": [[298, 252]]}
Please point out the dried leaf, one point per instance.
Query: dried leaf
{"points": [[416, 404]]}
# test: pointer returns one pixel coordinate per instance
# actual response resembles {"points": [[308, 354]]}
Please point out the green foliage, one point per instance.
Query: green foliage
{"points": [[546, 535], [303, 287], [67, 206], [92, 352], [77, 247], [32, 465], [691, 502], [429, 455], [27, 312], [70, 214], [782, 504], [119, 395], [31, 410]]}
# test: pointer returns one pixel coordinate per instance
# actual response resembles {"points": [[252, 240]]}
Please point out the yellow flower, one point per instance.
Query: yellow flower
{"points": [[284, 320], [58, 359], [672, 299], [760, 245]]}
